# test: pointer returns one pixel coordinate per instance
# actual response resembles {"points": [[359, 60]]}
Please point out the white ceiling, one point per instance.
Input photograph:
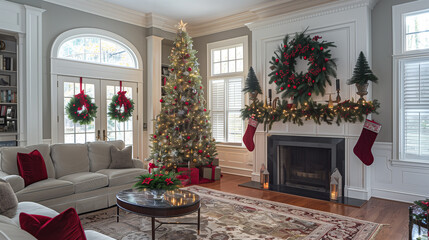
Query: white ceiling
{"points": [[194, 11]]}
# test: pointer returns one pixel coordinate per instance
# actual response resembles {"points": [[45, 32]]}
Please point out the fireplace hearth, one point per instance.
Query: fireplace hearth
{"points": [[303, 166]]}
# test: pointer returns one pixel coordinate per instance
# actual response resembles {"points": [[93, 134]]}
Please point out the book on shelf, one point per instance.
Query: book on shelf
{"points": [[8, 111], [6, 63]]}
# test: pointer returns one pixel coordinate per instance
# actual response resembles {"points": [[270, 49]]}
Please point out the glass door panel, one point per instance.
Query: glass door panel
{"points": [[125, 131], [74, 132]]}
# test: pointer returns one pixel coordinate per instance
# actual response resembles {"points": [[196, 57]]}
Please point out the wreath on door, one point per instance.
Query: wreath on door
{"points": [[301, 86], [121, 107], [81, 109]]}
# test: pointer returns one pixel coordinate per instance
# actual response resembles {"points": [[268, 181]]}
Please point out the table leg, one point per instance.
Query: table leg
{"points": [[198, 221], [117, 214], [153, 228]]}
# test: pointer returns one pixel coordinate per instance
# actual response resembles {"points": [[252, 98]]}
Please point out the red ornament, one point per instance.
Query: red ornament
{"points": [[309, 94], [294, 87], [186, 103], [79, 108], [175, 87], [189, 81], [201, 87], [172, 69], [277, 73], [205, 110], [167, 137], [161, 100], [326, 59], [189, 69], [277, 60], [188, 137], [154, 136], [207, 155], [312, 49], [175, 99], [200, 151], [187, 55], [321, 48], [275, 81], [285, 46], [74, 105], [305, 58], [288, 85], [281, 88], [323, 69]]}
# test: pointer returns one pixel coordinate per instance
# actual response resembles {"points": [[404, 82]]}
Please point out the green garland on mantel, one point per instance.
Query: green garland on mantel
{"points": [[347, 111]]}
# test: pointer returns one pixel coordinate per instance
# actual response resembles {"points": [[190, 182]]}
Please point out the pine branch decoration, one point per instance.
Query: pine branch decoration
{"points": [[362, 72]]}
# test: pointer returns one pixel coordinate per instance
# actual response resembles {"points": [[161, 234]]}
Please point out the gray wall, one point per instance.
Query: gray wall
{"points": [[167, 45], [200, 44], [382, 51], [58, 19]]}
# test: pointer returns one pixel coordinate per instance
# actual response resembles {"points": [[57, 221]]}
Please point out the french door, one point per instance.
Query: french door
{"points": [[103, 128]]}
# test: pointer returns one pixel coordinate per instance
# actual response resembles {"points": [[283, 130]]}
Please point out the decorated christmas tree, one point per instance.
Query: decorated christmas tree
{"points": [[183, 129], [252, 84]]}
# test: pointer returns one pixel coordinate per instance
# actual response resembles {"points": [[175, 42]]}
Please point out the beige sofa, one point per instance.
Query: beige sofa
{"points": [[10, 229], [78, 176]]}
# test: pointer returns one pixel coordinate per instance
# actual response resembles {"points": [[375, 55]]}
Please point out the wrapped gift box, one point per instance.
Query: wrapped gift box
{"points": [[207, 173], [195, 174]]}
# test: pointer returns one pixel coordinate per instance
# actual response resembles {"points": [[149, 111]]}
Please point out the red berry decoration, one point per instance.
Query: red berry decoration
{"points": [[188, 137], [205, 110], [200, 151], [201, 87], [186, 103], [161, 100], [154, 136], [207, 155], [175, 87], [172, 69], [167, 137], [299, 84], [309, 94], [189, 69]]}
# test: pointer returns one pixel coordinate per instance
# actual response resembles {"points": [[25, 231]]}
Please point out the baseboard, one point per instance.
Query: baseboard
{"points": [[396, 195], [237, 171], [357, 193]]}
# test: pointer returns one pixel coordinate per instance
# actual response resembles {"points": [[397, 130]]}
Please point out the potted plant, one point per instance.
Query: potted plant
{"points": [[158, 182], [251, 85], [361, 75]]}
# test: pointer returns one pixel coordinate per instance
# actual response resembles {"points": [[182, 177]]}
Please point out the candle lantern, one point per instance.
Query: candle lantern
{"points": [[334, 189], [266, 179], [261, 174]]}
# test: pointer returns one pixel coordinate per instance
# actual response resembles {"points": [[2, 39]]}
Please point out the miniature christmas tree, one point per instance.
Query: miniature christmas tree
{"points": [[182, 129], [252, 84], [362, 72]]}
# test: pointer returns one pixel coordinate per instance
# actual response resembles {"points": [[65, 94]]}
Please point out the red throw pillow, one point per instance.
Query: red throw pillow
{"points": [[65, 226], [31, 167]]}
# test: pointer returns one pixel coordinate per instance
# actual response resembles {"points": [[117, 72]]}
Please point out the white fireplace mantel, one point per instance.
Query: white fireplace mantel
{"points": [[347, 24]]}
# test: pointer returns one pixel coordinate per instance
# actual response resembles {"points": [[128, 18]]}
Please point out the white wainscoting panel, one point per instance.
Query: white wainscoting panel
{"points": [[400, 181], [235, 160]]}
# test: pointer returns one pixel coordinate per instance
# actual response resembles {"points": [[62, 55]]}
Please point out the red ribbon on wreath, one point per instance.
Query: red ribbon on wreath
{"points": [[82, 97], [122, 99]]}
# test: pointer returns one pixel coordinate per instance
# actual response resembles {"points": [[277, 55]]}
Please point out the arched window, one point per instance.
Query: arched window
{"points": [[97, 49]]}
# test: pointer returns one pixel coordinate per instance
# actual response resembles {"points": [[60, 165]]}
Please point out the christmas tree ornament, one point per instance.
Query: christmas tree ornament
{"points": [[81, 109], [318, 73], [121, 107], [367, 138]]}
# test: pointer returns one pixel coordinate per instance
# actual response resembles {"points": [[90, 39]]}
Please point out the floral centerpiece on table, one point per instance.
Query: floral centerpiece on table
{"points": [[159, 179]]}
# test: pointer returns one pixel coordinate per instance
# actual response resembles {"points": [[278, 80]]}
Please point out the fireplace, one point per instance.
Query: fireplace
{"points": [[303, 165]]}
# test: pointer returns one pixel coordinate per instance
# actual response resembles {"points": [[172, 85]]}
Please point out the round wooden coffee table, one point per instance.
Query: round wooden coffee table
{"points": [[174, 203]]}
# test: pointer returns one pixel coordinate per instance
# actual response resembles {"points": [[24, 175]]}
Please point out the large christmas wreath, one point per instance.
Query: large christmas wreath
{"points": [[81, 109], [121, 107], [301, 86]]}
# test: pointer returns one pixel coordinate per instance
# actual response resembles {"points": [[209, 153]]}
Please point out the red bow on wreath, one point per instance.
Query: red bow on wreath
{"points": [[82, 97], [123, 100]]}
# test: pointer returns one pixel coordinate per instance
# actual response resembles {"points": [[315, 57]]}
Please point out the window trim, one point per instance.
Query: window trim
{"points": [[225, 76], [400, 57]]}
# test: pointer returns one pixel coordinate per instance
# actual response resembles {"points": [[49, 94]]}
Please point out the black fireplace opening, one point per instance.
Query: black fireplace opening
{"points": [[303, 165]]}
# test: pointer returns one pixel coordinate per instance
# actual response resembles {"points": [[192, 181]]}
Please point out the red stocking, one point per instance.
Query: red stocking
{"points": [[250, 132], [366, 140]]}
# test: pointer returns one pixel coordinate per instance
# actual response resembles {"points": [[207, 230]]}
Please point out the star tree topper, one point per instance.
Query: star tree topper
{"points": [[182, 26]]}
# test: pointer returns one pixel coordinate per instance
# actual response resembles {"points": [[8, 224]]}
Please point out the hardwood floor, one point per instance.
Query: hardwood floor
{"points": [[393, 214]]}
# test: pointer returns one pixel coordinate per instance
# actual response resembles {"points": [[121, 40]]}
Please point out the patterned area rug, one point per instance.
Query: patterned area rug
{"points": [[229, 216]]}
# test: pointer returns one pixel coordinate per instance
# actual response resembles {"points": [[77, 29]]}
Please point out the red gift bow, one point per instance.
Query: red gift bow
{"points": [[81, 96], [123, 101]]}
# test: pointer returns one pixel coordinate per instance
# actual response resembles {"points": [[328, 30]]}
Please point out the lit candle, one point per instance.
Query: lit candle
{"points": [[338, 84], [266, 185]]}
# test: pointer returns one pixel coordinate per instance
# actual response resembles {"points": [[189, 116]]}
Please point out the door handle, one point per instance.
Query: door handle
{"points": [[104, 135], [98, 136]]}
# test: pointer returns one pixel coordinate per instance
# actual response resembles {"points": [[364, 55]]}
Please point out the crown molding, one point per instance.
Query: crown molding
{"points": [[311, 12], [119, 13], [254, 18]]}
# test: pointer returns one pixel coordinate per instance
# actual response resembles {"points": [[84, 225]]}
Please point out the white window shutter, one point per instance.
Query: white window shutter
{"points": [[416, 109]]}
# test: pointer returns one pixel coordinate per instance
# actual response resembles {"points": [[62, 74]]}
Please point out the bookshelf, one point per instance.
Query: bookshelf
{"points": [[8, 88]]}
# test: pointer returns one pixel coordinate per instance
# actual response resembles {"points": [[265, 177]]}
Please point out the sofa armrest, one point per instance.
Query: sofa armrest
{"points": [[15, 181], [137, 163]]}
